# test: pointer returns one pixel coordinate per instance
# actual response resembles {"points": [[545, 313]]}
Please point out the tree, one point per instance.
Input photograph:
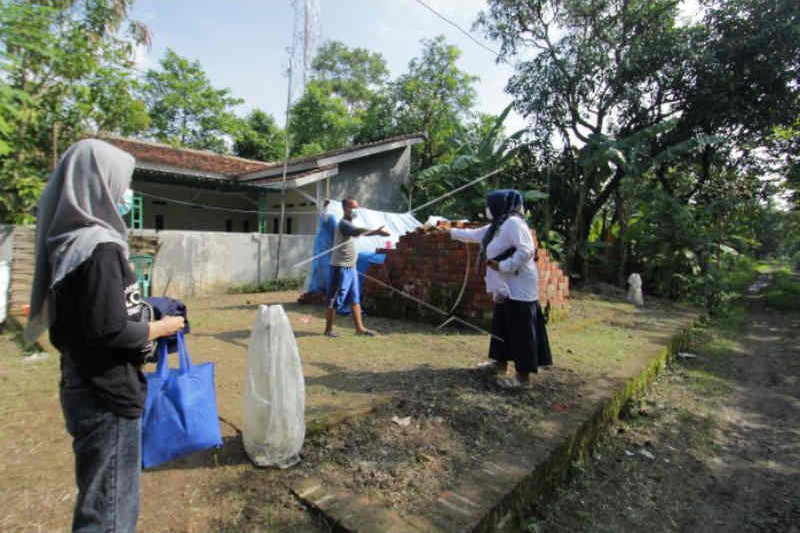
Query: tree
{"points": [[67, 71], [343, 84], [259, 138], [614, 70], [602, 69], [434, 97], [787, 145], [351, 74], [185, 109], [319, 122], [480, 148]]}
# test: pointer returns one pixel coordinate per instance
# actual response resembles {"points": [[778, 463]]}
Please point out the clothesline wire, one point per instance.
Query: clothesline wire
{"points": [[206, 206], [457, 189], [459, 28]]}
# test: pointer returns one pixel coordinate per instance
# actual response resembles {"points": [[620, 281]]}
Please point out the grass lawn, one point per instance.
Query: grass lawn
{"points": [[410, 370]]}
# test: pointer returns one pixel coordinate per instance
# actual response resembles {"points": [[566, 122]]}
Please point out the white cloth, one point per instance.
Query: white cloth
{"points": [[517, 278]]}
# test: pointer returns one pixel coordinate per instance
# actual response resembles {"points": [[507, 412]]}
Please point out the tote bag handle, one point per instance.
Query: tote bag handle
{"points": [[162, 368]]}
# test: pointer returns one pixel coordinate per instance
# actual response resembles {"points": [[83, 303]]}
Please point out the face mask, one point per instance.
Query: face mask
{"points": [[489, 213], [354, 214], [125, 203]]}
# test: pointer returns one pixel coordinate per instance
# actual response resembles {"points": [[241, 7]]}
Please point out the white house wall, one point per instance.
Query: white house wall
{"points": [[179, 217], [183, 217]]}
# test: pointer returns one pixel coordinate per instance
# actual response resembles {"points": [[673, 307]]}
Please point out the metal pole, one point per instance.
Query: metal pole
{"points": [[285, 167]]}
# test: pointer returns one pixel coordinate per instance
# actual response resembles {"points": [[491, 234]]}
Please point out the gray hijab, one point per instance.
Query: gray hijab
{"points": [[77, 211]]}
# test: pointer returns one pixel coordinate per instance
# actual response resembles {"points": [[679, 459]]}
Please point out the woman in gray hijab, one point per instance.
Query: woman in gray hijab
{"points": [[86, 294]]}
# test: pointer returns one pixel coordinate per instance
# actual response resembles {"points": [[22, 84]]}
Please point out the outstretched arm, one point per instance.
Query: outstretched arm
{"points": [[377, 231], [469, 235]]}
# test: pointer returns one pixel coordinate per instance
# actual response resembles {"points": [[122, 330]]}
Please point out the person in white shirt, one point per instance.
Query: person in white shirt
{"points": [[508, 250]]}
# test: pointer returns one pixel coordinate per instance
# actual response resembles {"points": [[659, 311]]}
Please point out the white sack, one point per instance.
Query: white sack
{"points": [[274, 392], [4, 282], [635, 290]]}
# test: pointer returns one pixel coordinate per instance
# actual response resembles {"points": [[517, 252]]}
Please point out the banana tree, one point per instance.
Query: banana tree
{"points": [[479, 150]]}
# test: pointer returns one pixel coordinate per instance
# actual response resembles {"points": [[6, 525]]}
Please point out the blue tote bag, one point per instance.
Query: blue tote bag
{"points": [[180, 413]]}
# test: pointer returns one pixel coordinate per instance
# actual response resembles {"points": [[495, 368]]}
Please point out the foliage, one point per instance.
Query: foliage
{"points": [[185, 109], [66, 73], [259, 138], [479, 149], [795, 261], [272, 285], [434, 97], [343, 85], [604, 71], [320, 122], [784, 292], [787, 144], [662, 125], [351, 74]]}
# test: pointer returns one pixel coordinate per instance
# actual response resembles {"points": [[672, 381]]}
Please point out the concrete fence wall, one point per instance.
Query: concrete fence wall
{"points": [[186, 264], [192, 263]]}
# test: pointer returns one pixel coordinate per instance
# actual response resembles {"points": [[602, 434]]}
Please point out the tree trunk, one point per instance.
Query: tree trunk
{"points": [[54, 140], [575, 242], [622, 249]]}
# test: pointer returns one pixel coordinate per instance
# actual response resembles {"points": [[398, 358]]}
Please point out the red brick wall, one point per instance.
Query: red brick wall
{"points": [[430, 266], [23, 260]]}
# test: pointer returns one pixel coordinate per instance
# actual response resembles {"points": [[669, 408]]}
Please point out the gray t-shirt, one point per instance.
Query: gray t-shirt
{"points": [[345, 255]]}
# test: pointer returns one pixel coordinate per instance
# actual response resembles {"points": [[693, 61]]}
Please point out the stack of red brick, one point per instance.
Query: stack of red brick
{"points": [[431, 267]]}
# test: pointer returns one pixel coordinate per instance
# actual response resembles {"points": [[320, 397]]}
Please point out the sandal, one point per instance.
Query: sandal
{"points": [[512, 383], [491, 367]]}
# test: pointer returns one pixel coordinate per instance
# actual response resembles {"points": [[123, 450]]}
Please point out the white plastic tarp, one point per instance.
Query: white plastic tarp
{"points": [[4, 281], [274, 392], [397, 224]]}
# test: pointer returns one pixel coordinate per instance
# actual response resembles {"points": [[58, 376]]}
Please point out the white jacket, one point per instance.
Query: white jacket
{"points": [[517, 278]]}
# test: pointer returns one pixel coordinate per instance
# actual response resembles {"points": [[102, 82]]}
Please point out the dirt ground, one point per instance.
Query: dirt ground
{"points": [[713, 446], [431, 415]]}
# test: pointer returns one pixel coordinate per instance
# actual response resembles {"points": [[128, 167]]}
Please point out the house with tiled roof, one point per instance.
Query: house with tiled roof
{"points": [[183, 189]]}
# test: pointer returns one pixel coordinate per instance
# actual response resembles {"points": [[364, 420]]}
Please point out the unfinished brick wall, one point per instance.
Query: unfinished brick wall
{"points": [[430, 266], [23, 260]]}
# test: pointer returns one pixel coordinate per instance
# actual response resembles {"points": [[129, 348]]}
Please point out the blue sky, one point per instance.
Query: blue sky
{"points": [[242, 44]]}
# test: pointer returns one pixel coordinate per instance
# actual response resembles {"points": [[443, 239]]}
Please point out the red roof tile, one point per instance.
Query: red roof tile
{"points": [[162, 154], [230, 166]]}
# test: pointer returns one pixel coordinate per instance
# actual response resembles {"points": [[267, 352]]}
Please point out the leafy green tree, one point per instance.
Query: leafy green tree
{"points": [[616, 70], [602, 69], [343, 85], [319, 122], [351, 74], [185, 108], [787, 141], [67, 71], [259, 138], [434, 97], [480, 148]]}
